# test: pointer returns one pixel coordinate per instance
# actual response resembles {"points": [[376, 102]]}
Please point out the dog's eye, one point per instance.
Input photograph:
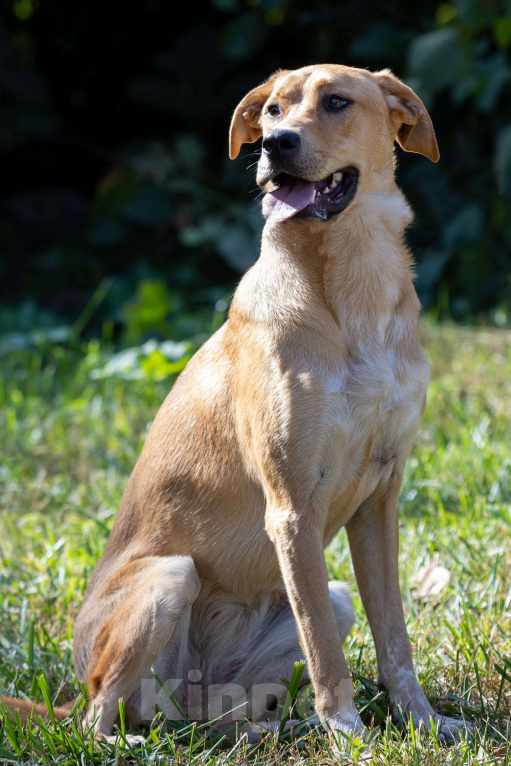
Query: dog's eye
{"points": [[333, 103], [273, 110]]}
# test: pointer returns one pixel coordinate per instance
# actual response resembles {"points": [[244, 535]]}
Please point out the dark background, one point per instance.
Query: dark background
{"points": [[120, 213]]}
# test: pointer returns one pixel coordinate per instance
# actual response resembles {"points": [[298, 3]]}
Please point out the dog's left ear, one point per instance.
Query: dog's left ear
{"points": [[414, 129], [245, 128]]}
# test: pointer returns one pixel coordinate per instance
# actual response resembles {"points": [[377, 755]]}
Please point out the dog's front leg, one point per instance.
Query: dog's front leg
{"points": [[374, 540], [299, 544]]}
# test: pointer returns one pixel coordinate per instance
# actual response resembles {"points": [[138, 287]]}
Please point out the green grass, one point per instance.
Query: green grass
{"points": [[72, 425]]}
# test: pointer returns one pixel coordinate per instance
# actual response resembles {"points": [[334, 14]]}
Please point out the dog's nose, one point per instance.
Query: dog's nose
{"points": [[281, 144]]}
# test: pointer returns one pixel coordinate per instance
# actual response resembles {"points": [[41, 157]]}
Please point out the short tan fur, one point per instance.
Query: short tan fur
{"points": [[295, 419]]}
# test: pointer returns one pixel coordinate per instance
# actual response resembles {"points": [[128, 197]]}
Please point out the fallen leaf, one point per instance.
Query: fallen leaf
{"points": [[430, 581]]}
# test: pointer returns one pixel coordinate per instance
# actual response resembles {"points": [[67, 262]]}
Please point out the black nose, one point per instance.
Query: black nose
{"points": [[281, 144]]}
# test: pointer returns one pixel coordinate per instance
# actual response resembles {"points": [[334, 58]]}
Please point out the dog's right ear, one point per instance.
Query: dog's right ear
{"points": [[245, 127]]}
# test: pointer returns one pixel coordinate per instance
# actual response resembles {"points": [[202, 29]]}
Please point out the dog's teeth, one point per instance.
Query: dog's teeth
{"points": [[337, 177]]}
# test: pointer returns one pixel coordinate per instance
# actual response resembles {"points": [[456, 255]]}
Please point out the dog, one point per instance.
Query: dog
{"points": [[295, 419]]}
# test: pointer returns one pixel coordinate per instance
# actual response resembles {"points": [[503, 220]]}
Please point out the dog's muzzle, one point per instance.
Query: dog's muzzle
{"points": [[292, 196]]}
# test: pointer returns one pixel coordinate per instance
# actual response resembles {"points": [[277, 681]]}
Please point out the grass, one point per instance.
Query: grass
{"points": [[73, 420]]}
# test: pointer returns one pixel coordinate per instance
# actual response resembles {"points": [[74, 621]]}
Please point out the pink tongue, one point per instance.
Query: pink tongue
{"points": [[288, 200]]}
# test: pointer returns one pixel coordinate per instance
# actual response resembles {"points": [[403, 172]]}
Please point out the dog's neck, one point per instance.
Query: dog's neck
{"points": [[356, 264]]}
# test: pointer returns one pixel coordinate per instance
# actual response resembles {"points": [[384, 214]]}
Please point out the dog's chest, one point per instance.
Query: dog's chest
{"points": [[372, 381], [372, 406]]}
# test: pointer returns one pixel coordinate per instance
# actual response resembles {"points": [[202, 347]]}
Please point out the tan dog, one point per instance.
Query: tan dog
{"points": [[296, 418]]}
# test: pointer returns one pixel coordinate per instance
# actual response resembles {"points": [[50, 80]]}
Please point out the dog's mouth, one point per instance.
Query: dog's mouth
{"points": [[293, 196]]}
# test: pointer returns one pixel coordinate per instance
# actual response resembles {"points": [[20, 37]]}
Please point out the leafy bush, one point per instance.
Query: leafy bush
{"points": [[114, 153]]}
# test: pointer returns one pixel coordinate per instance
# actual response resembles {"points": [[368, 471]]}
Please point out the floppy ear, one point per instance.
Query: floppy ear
{"points": [[245, 128], [414, 129]]}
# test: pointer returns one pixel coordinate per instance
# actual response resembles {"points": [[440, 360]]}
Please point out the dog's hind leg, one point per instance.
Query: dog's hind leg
{"points": [[151, 596], [269, 653]]}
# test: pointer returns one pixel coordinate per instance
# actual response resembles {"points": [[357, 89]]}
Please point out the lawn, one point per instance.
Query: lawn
{"points": [[74, 416]]}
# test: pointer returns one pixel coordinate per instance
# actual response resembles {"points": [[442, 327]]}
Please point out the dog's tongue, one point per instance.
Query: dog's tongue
{"points": [[288, 199]]}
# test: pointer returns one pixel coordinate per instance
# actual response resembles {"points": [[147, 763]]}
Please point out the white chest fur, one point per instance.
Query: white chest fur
{"points": [[372, 407]]}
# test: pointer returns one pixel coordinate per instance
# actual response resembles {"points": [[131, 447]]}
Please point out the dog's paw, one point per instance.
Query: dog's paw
{"points": [[133, 740], [349, 735], [421, 715], [348, 723], [450, 729]]}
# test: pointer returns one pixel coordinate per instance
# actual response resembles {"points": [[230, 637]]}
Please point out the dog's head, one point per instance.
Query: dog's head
{"points": [[327, 131]]}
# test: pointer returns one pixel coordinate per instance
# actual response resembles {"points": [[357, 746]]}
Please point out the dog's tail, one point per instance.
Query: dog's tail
{"points": [[26, 709]]}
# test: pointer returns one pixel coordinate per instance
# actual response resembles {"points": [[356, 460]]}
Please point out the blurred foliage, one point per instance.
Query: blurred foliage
{"points": [[119, 210]]}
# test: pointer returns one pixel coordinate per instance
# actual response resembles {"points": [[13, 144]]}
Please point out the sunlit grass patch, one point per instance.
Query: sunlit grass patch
{"points": [[72, 425]]}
